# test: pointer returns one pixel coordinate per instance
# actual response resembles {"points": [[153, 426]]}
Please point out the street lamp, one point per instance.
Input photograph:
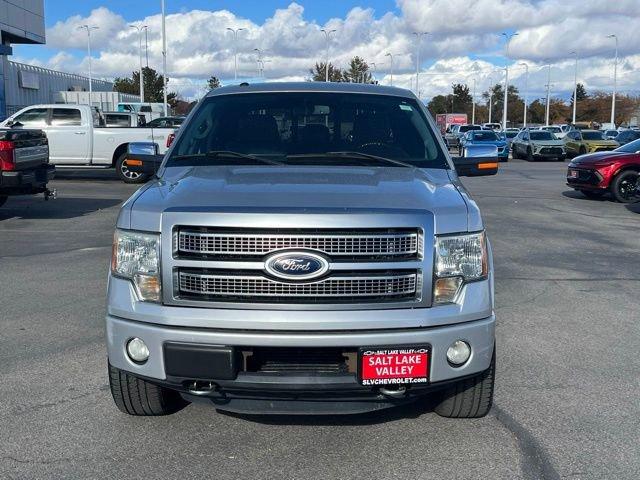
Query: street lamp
{"points": [[546, 115], [490, 96], [327, 34], [373, 71], [473, 103], [235, 50], [390, 55], [139, 29], [615, 82], [508, 37], [88, 28], [259, 61], [526, 93], [575, 86], [419, 36], [164, 59]]}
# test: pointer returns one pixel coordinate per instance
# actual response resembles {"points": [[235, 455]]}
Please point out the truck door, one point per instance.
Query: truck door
{"points": [[69, 136]]}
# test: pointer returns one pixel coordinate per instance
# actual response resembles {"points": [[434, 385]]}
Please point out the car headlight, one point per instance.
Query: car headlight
{"points": [[136, 257], [459, 259]]}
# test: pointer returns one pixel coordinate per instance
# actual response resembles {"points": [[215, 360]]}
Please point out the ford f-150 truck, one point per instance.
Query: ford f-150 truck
{"points": [[78, 137], [24, 163], [303, 247]]}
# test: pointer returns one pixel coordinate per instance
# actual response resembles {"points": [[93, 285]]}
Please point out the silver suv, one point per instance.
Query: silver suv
{"points": [[303, 247]]}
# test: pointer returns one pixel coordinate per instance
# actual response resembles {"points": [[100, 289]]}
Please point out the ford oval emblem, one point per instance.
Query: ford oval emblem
{"points": [[296, 265]]}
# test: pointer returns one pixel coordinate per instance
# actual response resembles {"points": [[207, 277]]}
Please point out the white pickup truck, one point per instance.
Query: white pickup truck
{"points": [[78, 137]]}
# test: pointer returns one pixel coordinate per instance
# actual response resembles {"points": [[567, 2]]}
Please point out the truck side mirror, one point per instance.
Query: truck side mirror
{"points": [[478, 161], [143, 157]]}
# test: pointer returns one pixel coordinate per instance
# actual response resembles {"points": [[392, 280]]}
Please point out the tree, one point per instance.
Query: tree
{"points": [[213, 83], [515, 105], [318, 73], [440, 104], [153, 85], [358, 71], [461, 101]]}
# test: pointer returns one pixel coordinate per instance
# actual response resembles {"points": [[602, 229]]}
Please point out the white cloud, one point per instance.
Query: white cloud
{"points": [[199, 44]]}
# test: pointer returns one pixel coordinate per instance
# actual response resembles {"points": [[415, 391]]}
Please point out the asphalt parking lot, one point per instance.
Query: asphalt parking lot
{"points": [[566, 404]]}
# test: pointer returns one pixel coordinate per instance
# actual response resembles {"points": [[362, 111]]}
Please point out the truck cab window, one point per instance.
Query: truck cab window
{"points": [[35, 117], [66, 117]]}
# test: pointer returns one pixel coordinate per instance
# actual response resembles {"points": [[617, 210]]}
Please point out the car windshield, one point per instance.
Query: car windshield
{"points": [[611, 133], [467, 128], [592, 136], [309, 128], [632, 147], [542, 135], [485, 135], [510, 134]]}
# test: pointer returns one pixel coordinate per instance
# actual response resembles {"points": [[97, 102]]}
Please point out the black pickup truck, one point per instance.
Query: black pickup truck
{"points": [[24, 163]]}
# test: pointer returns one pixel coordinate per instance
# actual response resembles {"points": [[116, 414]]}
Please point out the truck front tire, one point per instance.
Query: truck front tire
{"points": [[126, 175], [135, 396], [469, 398]]}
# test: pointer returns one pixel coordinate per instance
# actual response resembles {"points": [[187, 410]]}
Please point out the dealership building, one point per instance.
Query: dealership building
{"points": [[22, 22]]}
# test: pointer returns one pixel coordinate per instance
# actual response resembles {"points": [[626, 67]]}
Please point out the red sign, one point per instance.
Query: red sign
{"points": [[394, 366]]}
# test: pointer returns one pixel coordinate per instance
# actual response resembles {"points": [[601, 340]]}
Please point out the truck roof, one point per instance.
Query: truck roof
{"points": [[322, 87]]}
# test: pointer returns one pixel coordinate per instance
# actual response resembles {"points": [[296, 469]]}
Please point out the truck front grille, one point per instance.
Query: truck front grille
{"points": [[336, 288], [212, 243]]}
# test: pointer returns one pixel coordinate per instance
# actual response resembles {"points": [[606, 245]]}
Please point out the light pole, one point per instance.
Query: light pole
{"points": [[139, 29], [575, 87], [88, 28], [235, 50], [506, 80], [164, 59], [327, 34], [373, 71], [146, 44], [419, 36], [259, 61], [615, 82], [490, 97], [526, 93], [546, 115], [390, 55], [473, 104]]}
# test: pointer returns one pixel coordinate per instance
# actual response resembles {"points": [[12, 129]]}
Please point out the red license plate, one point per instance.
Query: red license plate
{"points": [[573, 173], [392, 366]]}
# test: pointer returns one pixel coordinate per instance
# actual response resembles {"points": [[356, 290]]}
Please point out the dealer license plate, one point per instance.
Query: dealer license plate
{"points": [[392, 366]]}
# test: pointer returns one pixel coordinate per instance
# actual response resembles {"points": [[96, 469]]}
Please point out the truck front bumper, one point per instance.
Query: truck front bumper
{"points": [[302, 393]]}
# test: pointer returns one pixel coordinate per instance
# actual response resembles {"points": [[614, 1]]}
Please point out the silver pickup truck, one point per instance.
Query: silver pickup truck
{"points": [[303, 248]]}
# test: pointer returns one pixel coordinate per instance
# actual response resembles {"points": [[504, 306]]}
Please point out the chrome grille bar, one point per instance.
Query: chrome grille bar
{"points": [[369, 244], [369, 285]]}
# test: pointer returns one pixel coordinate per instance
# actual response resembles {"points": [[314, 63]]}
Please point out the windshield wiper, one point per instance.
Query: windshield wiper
{"points": [[225, 153], [357, 155]]}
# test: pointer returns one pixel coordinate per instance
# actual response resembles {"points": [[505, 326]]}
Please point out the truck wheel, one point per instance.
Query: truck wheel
{"points": [[623, 186], [134, 396], [126, 175], [3, 199], [469, 398]]}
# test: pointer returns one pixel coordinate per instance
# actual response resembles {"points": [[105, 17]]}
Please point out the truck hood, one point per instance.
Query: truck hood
{"points": [[311, 189]]}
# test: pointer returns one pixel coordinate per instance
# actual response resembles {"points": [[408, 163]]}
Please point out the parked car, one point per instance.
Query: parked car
{"points": [[610, 134], [492, 126], [24, 163], [305, 194], [166, 122], [555, 129], [579, 142], [77, 137], [457, 131], [613, 172], [484, 137], [626, 136], [537, 144], [509, 134]]}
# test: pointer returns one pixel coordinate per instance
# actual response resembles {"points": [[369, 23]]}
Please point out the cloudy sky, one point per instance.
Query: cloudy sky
{"points": [[464, 41]]}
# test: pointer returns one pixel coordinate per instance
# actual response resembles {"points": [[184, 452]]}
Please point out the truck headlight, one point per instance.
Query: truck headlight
{"points": [[136, 257], [458, 259]]}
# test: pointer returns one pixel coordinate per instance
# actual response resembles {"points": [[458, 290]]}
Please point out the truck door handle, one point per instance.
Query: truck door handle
{"points": [[80, 133]]}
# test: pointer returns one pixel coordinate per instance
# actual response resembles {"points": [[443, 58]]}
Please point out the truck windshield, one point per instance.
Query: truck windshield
{"points": [[310, 128]]}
